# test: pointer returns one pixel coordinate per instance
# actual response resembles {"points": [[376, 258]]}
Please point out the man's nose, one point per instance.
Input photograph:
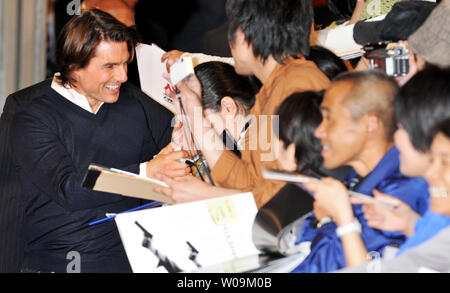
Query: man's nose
{"points": [[121, 73]]}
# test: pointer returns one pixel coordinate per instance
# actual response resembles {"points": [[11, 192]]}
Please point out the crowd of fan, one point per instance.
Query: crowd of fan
{"points": [[394, 133]]}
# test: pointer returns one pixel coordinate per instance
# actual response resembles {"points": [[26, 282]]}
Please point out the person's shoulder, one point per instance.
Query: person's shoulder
{"points": [[412, 190], [130, 94], [22, 99], [397, 179], [304, 74], [38, 103], [301, 67]]}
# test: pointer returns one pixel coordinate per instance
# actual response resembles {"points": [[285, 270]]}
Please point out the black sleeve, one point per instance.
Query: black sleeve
{"points": [[45, 164], [158, 119]]}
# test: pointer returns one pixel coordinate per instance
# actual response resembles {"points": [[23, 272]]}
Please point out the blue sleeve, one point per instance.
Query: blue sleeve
{"points": [[413, 191], [323, 256]]}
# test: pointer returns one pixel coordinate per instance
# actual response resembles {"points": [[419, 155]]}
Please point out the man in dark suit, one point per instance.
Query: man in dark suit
{"points": [[88, 113]]}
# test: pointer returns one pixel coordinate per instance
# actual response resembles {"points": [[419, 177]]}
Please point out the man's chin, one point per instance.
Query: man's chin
{"points": [[331, 165], [111, 99]]}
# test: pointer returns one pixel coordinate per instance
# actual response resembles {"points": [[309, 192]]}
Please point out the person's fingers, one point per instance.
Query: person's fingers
{"points": [[387, 198], [173, 166], [330, 181], [175, 173], [171, 57], [311, 186], [170, 148], [177, 155], [369, 211], [166, 179], [163, 190], [178, 125], [374, 216], [375, 224], [359, 200], [166, 76]]}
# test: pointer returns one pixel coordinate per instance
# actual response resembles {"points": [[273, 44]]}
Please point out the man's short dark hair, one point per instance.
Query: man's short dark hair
{"points": [[373, 92], [443, 127], [80, 37], [422, 104], [299, 116], [280, 28]]}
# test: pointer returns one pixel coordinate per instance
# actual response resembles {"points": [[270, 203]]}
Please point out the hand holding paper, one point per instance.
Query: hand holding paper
{"points": [[190, 188], [167, 162], [151, 72], [331, 196], [171, 57]]}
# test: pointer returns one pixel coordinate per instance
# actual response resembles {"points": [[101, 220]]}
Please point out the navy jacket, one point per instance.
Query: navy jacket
{"points": [[53, 143]]}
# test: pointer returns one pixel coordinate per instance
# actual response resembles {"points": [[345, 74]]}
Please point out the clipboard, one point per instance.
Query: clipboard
{"points": [[103, 179]]}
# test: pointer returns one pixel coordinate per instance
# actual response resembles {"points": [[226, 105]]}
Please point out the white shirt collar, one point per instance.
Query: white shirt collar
{"points": [[72, 95]]}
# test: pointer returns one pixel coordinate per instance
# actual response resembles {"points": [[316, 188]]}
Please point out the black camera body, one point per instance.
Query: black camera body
{"points": [[392, 58]]}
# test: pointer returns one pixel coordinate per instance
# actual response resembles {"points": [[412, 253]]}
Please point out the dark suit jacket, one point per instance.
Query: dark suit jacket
{"points": [[11, 211]]}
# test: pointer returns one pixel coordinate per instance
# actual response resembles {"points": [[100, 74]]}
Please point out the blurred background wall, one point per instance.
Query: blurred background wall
{"points": [[22, 49]]}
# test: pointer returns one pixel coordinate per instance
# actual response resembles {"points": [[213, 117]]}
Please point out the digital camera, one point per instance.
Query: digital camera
{"points": [[392, 58]]}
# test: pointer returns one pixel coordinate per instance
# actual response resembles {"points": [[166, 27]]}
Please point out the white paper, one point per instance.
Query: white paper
{"points": [[151, 74], [339, 40], [220, 229]]}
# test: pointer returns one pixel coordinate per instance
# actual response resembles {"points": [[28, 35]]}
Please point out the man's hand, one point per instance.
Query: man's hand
{"points": [[171, 57], [318, 212], [166, 162], [401, 219], [190, 188], [331, 198]]}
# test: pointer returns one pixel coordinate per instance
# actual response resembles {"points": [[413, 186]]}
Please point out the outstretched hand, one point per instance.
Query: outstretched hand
{"points": [[184, 189], [401, 219]]}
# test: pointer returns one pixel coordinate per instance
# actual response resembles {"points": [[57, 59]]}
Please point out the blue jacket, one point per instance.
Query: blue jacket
{"points": [[426, 228], [326, 248]]}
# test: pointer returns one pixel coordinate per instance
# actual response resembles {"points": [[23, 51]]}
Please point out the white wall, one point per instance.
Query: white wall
{"points": [[22, 45]]}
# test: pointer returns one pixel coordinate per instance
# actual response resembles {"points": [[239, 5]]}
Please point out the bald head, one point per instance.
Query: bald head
{"points": [[122, 10], [370, 92]]}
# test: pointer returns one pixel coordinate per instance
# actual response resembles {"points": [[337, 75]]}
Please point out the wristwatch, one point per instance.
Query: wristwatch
{"points": [[354, 226]]}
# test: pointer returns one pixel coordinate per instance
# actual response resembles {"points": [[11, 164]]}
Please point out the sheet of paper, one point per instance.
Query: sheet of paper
{"points": [[220, 230], [151, 74], [339, 40]]}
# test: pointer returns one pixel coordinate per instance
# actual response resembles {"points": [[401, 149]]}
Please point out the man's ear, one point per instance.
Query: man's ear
{"points": [[373, 123], [228, 106]]}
